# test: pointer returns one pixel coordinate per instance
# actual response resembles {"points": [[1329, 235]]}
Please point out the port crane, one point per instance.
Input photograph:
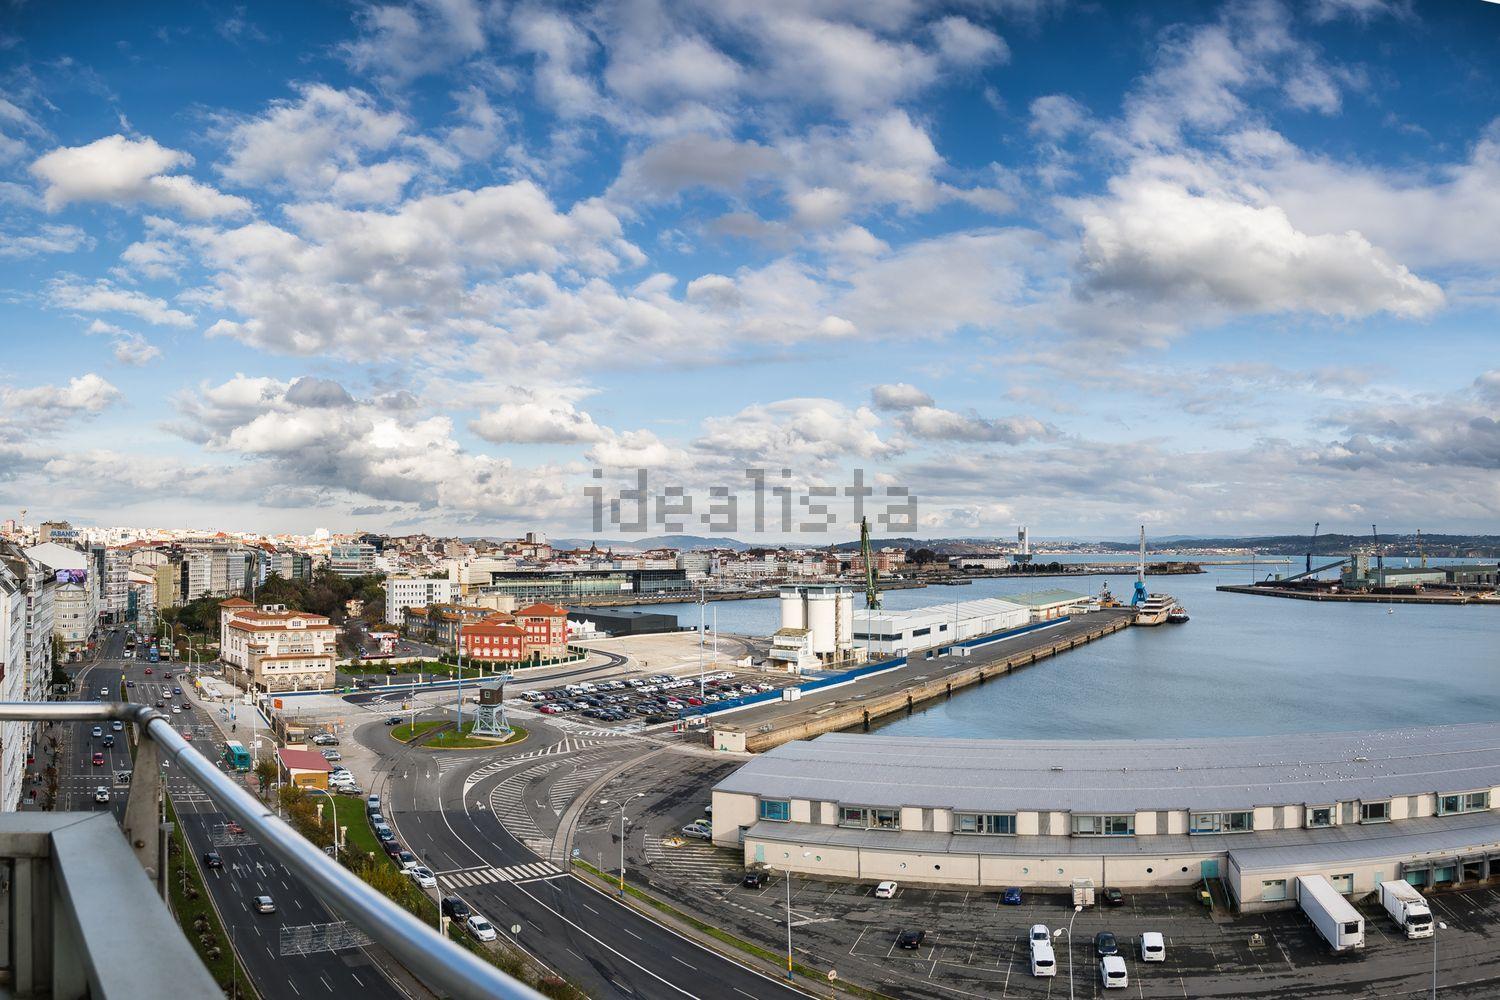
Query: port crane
{"points": [[1140, 595], [1311, 548], [1379, 555], [872, 594]]}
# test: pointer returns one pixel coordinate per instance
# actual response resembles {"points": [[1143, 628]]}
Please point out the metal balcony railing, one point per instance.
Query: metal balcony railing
{"points": [[441, 964]]}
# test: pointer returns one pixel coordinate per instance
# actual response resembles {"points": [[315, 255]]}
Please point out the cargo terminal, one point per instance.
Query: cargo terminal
{"points": [[1249, 813]]}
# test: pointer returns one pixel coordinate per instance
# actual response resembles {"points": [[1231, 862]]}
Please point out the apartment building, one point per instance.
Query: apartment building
{"points": [[352, 558], [75, 601], [26, 590], [414, 592], [270, 648]]}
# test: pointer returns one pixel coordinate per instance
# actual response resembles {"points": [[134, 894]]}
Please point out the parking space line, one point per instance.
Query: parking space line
{"points": [[857, 940]]}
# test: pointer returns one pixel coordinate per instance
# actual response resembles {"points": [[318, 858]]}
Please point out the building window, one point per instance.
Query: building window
{"points": [[779, 810], [921, 631], [854, 816], [994, 824], [1273, 890], [1104, 826], [1463, 803], [1222, 822], [1319, 816], [885, 819], [1374, 812]]}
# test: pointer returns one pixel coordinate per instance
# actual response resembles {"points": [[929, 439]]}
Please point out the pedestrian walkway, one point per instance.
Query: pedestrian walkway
{"points": [[468, 878], [693, 863]]}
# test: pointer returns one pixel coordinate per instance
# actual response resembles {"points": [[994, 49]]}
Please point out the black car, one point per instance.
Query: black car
{"points": [[753, 880], [108, 741], [394, 720], [456, 909], [911, 940], [1114, 897], [1105, 944], [211, 859]]}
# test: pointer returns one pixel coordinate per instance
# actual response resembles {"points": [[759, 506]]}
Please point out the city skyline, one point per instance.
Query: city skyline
{"points": [[1226, 270]]}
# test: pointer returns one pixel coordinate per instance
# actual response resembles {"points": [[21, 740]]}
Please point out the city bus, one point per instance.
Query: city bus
{"points": [[236, 756]]}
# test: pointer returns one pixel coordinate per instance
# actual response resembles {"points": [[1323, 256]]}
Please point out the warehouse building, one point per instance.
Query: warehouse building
{"points": [[1254, 812], [617, 622], [898, 633]]}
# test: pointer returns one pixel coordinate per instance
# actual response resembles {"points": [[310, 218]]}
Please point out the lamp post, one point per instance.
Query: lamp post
{"points": [[1437, 925], [788, 872], [621, 804], [324, 791], [1077, 909], [459, 646]]}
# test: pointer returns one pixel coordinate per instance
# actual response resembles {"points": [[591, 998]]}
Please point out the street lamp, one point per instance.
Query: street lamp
{"points": [[787, 870], [1077, 909], [621, 804], [1437, 925], [324, 791]]}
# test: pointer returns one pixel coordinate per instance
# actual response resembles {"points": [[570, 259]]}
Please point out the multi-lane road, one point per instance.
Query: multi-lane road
{"points": [[439, 805], [248, 870]]}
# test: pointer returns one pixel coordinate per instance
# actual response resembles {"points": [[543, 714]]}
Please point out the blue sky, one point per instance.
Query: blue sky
{"points": [[1222, 269]]}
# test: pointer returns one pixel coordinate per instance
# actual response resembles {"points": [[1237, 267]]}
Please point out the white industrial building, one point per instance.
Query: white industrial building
{"points": [[897, 633], [817, 626], [1421, 805]]}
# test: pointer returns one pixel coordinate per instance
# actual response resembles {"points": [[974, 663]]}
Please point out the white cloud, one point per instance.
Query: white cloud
{"points": [[317, 145], [1057, 116], [125, 171], [537, 418], [934, 423], [104, 297], [48, 239], [129, 348], [401, 42], [89, 393], [674, 165], [964, 43], [1155, 240], [899, 396], [796, 433]]}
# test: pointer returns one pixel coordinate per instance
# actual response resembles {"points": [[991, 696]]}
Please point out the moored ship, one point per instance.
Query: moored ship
{"points": [[1154, 609]]}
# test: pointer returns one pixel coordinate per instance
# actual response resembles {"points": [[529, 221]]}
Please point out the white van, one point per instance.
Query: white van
{"points": [[1043, 961], [1112, 972], [1153, 947], [586, 687]]}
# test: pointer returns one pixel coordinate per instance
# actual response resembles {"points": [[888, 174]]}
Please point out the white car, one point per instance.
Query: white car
{"points": [[104, 692], [176, 709], [1153, 947], [101, 794], [480, 928], [1112, 972], [699, 829], [1043, 960], [1039, 932], [885, 890], [423, 877]]}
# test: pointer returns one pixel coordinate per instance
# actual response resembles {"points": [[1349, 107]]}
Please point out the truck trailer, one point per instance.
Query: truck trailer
{"points": [[1407, 907], [1339, 922]]}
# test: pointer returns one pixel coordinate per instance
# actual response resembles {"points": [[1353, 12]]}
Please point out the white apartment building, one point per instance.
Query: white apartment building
{"points": [[75, 601], [13, 668], [401, 594], [272, 649], [114, 593], [352, 559], [141, 600]]}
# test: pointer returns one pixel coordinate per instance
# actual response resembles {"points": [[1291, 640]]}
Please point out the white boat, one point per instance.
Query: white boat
{"points": [[1153, 610]]}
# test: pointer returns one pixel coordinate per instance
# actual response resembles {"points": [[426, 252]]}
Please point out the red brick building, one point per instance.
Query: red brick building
{"points": [[546, 627], [537, 632]]}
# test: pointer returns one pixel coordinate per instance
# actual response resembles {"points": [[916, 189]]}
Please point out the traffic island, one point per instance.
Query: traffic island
{"points": [[439, 734]]}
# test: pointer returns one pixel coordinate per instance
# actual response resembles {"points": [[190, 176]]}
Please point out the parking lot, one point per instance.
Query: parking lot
{"points": [[648, 698]]}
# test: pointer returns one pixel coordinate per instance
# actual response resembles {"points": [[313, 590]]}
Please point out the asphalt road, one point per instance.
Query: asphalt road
{"points": [[586, 936], [248, 870]]}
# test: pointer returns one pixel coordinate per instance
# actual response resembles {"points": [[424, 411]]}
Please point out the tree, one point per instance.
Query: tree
{"points": [[265, 775]]}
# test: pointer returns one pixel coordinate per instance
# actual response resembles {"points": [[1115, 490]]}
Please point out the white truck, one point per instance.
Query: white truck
{"points": [[1407, 907], [1339, 923]]}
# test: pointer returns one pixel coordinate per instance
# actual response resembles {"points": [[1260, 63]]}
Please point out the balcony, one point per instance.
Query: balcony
{"points": [[80, 893]]}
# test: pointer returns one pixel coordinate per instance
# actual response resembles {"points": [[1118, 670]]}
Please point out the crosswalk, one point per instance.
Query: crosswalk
{"points": [[561, 748], [694, 862], [583, 774], [531, 872]]}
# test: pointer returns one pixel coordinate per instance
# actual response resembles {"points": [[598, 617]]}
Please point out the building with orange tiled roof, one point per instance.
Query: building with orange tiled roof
{"points": [[546, 628], [269, 648]]}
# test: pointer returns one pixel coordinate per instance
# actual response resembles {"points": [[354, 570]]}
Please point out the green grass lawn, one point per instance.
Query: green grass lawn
{"points": [[452, 739], [406, 731]]}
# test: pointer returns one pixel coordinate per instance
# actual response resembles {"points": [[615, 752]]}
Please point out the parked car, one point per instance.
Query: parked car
{"points": [[423, 876], [332, 755], [385, 835], [407, 860], [392, 849], [211, 859], [1043, 959], [148, 671], [1039, 932], [1112, 972], [1011, 896], [1114, 897], [265, 904], [455, 908], [480, 928], [372, 804], [911, 940], [753, 880], [1153, 947], [1105, 944], [101, 794], [699, 830], [885, 890]]}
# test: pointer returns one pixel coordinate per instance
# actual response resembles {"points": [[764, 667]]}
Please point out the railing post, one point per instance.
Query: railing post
{"points": [[142, 821]]}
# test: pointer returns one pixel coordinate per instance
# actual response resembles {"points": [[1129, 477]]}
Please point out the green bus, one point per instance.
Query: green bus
{"points": [[236, 756]]}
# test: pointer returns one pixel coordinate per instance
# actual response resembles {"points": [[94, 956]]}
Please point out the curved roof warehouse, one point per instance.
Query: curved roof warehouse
{"points": [[1357, 807]]}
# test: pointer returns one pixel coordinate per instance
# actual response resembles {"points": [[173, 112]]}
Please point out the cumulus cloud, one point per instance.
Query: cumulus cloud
{"points": [[400, 42], [47, 239], [1157, 241], [123, 171], [105, 297], [129, 348], [935, 423], [675, 165], [537, 418], [899, 396], [800, 433]]}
